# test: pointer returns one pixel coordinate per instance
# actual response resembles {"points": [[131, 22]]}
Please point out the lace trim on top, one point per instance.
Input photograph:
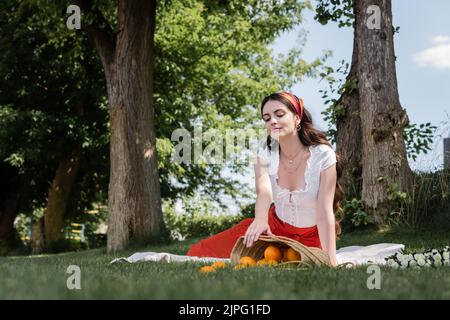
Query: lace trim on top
{"points": [[291, 202], [307, 174]]}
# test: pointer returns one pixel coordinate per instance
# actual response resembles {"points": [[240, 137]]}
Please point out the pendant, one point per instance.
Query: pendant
{"points": [[290, 161]]}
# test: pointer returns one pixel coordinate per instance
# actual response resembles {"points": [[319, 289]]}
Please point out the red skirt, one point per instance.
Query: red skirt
{"points": [[221, 244]]}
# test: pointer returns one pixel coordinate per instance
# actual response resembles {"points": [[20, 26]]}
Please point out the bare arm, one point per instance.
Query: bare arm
{"points": [[263, 200], [263, 191], [325, 213]]}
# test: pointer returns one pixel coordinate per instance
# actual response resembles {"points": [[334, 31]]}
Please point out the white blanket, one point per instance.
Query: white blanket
{"points": [[358, 255], [373, 254], [166, 257]]}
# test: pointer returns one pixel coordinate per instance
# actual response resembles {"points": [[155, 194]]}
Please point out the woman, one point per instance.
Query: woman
{"points": [[297, 169]]}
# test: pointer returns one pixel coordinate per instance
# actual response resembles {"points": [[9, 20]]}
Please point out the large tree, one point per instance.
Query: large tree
{"points": [[345, 111], [384, 156], [370, 130], [127, 55]]}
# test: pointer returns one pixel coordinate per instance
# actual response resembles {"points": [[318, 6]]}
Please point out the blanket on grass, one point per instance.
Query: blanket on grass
{"points": [[356, 255]]}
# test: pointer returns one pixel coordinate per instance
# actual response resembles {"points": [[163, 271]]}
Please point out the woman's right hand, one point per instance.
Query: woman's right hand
{"points": [[254, 230]]}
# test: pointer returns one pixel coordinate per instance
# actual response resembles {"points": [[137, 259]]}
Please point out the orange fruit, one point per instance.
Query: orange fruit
{"points": [[273, 253], [292, 255], [207, 269], [285, 249], [261, 263], [272, 262], [266, 263], [238, 267], [219, 265], [247, 261]]}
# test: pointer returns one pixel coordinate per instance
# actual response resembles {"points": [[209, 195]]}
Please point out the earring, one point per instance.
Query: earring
{"points": [[299, 127]]}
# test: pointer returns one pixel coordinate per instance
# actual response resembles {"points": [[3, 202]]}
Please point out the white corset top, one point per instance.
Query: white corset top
{"points": [[298, 207]]}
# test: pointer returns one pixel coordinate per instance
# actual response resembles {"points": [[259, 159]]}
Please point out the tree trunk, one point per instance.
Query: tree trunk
{"points": [[383, 119], [58, 197], [47, 230], [134, 191], [8, 213], [134, 202], [348, 128], [9, 206], [37, 237]]}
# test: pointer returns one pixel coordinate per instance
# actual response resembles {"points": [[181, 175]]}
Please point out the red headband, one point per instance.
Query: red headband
{"points": [[296, 102]]}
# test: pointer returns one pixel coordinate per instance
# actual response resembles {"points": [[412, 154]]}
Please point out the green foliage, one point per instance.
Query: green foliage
{"points": [[248, 211], [340, 11], [354, 212], [213, 66], [212, 63], [430, 205], [51, 102], [65, 245], [337, 86], [418, 138], [92, 219], [399, 202], [24, 222], [183, 226]]}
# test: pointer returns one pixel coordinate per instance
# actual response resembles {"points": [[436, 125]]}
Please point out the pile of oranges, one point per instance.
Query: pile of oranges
{"points": [[213, 267], [273, 255]]}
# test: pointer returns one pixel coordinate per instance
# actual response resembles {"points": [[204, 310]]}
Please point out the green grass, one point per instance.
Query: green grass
{"points": [[44, 276]]}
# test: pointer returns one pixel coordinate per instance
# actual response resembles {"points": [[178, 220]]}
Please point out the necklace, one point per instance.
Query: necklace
{"points": [[292, 169], [291, 161]]}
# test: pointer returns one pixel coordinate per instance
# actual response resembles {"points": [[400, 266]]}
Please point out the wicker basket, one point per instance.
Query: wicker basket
{"points": [[310, 256]]}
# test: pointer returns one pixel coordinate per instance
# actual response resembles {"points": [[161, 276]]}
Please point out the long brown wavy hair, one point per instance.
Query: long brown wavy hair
{"points": [[309, 135]]}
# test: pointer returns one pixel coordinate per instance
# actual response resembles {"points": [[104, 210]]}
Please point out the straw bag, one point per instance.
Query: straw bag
{"points": [[310, 256]]}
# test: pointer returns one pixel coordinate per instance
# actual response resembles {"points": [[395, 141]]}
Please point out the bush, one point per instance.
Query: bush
{"points": [[248, 211], [65, 245], [428, 206], [355, 217], [97, 240], [430, 200], [183, 226]]}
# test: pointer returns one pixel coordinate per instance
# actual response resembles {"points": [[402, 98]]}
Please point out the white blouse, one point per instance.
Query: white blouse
{"points": [[298, 207]]}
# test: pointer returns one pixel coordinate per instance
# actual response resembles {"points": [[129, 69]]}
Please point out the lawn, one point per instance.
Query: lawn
{"points": [[44, 276]]}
